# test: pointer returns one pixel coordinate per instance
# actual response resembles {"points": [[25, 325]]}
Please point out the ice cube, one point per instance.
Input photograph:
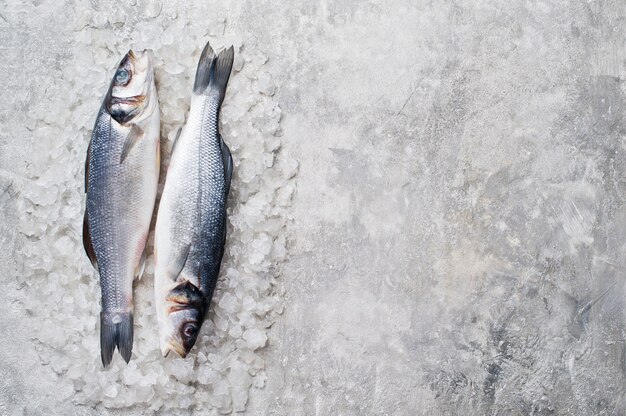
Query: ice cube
{"points": [[255, 338]]}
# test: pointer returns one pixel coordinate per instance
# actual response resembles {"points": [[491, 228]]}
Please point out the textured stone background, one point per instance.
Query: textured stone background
{"points": [[457, 242]]}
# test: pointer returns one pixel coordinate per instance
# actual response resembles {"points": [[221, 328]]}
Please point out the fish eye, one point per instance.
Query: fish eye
{"points": [[190, 330], [122, 76]]}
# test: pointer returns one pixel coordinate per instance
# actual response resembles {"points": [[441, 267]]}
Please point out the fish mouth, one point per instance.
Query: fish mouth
{"points": [[177, 307], [136, 100], [177, 303], [176, 347]]}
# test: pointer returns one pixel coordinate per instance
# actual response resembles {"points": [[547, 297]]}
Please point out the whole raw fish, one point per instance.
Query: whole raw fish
{"points": [[191, 223], [121, 177]]}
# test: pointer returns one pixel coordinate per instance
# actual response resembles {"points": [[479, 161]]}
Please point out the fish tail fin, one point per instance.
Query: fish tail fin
{"points": [[116, 330], [213, 72]]}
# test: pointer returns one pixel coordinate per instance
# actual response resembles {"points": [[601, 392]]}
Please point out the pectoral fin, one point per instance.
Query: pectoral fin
{"points": [[177, 264], [133, 137]]}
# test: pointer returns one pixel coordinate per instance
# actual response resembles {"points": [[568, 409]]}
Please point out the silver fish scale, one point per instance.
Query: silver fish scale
{"points": [[204, 205], [113, 212]]}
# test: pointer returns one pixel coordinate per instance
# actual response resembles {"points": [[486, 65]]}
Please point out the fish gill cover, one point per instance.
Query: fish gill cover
{"points": [[62, 293]]}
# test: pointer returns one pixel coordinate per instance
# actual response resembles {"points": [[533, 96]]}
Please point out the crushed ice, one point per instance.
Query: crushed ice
{"points": [[63, 293]]}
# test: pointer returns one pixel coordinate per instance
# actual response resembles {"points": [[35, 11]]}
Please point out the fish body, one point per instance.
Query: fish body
{"points": [[190, 230], [121, 178]]}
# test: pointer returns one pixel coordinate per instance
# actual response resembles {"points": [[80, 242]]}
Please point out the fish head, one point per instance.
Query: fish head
{"points": [[185, 308], [132, 93]]}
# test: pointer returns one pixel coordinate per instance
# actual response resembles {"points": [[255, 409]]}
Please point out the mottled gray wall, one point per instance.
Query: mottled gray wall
{"points": [[457, 235], [459, 223]]}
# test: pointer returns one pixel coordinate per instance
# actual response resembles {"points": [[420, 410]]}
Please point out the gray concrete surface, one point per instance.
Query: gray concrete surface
{"points": [[457, 243]]}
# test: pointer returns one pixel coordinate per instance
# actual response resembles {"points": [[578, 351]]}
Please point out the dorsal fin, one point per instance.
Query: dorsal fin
{"points": [[87, 166], [87, 244], [228, 164]]}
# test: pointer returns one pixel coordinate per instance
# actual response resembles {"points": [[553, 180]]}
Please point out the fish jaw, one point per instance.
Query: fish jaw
{"points": [[177, 348]]}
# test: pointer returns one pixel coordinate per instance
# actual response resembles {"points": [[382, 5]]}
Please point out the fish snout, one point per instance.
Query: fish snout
{"points": [[142, 60]]}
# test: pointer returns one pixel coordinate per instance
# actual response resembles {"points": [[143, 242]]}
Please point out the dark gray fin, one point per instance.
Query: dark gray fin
{"points": [[180, 129], [223, 67], [125, 336], [141, 266], [116, 330], [213, 72], [203, 71], [87, 244], [133, 137], [228, 164], [178, 264], [87, 166]]}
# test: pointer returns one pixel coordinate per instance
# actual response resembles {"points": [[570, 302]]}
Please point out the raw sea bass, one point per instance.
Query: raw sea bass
{"points": [[121, 177], [191, 222]]}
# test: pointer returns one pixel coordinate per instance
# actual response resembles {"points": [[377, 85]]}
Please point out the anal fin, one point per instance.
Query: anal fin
{"points": [[141, 266]]}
